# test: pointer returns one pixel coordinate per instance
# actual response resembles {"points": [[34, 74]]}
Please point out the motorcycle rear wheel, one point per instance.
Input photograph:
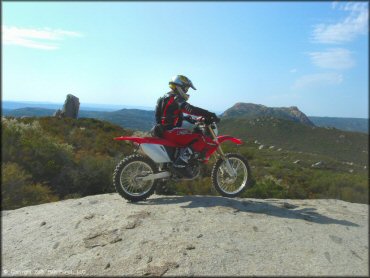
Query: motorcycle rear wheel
{"points": [[229, 186], [125, 173]]}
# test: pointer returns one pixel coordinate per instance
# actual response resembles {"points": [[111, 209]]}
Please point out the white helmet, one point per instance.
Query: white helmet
{"points": [[181, 84]]}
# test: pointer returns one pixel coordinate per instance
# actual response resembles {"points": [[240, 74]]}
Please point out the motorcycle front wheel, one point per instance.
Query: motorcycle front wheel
{"points": [[125, 178], [225, 183]]}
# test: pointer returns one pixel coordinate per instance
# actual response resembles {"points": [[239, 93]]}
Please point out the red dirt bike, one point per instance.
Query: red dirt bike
{"points": [[136, 176]]}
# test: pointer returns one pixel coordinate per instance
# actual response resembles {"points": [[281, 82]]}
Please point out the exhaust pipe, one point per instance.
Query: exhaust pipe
{"points": [[160, 175]]}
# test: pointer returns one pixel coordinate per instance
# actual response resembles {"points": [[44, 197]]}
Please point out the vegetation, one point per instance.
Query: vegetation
{"points": [[18, 190], [289, 175], [57, 158], [48, 159], [337, 144]]}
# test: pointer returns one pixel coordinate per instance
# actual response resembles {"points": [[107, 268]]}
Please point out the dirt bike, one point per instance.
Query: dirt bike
{"points": [[136, 176]]}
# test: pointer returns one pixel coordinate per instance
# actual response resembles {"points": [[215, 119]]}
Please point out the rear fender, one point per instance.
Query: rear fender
{"points": [[224, 138]]}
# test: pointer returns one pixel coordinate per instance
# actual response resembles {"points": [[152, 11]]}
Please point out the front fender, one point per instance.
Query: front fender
{"points": [[224, 138]]}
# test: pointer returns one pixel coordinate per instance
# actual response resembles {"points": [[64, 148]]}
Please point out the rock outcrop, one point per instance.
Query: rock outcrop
{"points": [[70, 108], [104, 235], [252, 110]]}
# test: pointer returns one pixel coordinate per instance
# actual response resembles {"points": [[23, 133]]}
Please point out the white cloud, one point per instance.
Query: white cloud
{"points": [[335, 58], [334, 4], [317, 79], [46, 39], [355, 24]]}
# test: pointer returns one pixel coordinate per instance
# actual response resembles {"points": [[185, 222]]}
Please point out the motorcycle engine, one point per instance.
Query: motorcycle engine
{"points": [[193, 167]]}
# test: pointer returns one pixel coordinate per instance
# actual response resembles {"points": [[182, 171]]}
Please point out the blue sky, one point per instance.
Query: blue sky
{"points": [[313, 55]]}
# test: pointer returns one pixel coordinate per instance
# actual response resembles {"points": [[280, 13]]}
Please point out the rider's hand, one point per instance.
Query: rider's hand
{"points": [[190, 119], [214, 118], [208, 121]]}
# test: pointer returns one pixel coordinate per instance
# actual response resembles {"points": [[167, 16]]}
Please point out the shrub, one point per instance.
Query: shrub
{"points": [[267, 187], [93, 175], [18, 190]]}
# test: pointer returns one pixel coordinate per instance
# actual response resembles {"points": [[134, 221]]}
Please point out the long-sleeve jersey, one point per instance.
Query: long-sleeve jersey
{"points": [[170, 109]]}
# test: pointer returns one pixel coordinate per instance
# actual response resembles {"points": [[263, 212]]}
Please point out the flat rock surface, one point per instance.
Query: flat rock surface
{"points": [[186, 236]]}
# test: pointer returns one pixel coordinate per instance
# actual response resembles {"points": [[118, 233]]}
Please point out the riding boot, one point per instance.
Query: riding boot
{"points": [[181, 163]]}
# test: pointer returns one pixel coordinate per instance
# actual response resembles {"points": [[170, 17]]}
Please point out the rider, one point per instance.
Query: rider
{"points": [[169, 117]]}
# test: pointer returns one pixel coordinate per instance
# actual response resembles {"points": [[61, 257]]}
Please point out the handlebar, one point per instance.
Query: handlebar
{"points": [[203, 120]]}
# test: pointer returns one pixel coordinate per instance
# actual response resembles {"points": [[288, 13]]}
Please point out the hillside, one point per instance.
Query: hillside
{"points": [[137, 119], [28, 112], [251, 110], [48, 159], [337, 144], [347, 124], [104, 235]]}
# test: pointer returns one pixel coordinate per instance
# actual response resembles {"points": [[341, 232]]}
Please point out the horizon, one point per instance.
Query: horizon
{"points": [[313, 55], [127, 106]]}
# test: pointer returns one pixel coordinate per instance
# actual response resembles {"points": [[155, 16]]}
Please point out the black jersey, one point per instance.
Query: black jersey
{"points": [[170, 109]]}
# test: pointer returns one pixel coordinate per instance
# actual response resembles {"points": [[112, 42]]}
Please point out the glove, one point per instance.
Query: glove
{"points": [[216, 119], [208, 121], [212, 118], [190, 119]]}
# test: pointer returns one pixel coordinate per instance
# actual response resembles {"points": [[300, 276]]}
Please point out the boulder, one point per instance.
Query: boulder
{"points": [[70, 108], [317, 164]]}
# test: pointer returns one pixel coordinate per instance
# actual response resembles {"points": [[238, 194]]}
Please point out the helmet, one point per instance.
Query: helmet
{"points": [[181, 85]]}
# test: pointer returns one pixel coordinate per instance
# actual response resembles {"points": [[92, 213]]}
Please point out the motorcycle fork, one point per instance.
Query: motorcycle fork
{"points": [[229, 169]]}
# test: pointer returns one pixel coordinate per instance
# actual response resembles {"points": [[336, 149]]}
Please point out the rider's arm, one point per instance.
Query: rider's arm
{"points": [[193, 110]]}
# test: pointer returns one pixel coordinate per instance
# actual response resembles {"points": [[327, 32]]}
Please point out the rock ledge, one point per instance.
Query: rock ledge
{"points": [[186, 236]]}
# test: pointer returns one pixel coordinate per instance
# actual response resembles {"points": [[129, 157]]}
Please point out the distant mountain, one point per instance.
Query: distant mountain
{"points": [[137, 119], [251, 110], [23, 104], [348, 124], [143, 120], [281, 133], [28, 112], [84, 106], [4, 111], [128, 118]]}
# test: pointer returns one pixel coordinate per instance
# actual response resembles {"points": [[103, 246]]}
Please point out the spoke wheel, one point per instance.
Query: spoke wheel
{"points": [[227, 185], [126, 174]]}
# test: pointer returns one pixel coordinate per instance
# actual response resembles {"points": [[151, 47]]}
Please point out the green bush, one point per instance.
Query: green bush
{"points": [[93, 175], [267, 187], [18, 190]]}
